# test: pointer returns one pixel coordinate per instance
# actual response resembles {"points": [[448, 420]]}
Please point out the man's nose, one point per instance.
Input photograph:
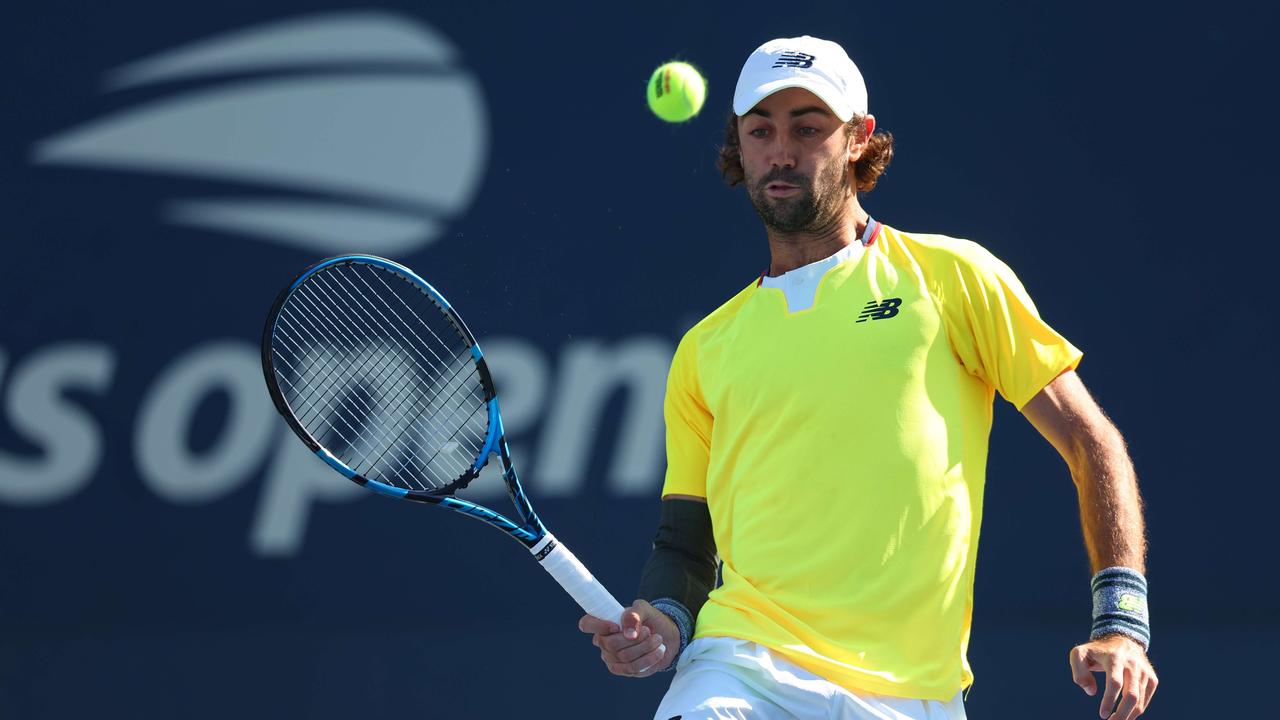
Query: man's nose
{"points": [[782, 152]]}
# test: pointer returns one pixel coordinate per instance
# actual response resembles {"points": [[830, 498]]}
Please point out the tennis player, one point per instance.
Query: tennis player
{"points": [[827, 439]]}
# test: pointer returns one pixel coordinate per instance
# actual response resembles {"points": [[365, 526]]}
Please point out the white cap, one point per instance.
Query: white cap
{"points": [[819, 66]]}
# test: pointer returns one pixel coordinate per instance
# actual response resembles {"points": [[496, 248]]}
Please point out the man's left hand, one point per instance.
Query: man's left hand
{"points": [[1131, 680]]}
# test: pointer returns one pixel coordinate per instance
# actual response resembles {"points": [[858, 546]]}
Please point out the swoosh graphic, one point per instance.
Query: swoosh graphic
{"points": [[312, 226], [418, 140], [347, 37]]}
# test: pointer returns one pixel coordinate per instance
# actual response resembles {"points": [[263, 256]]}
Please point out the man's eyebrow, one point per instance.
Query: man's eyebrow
{"points": [[794, 113], [810, 109]]}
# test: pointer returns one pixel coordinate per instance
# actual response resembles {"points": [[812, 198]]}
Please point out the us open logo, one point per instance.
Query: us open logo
{"points": [[337, 132], [358, 131]]}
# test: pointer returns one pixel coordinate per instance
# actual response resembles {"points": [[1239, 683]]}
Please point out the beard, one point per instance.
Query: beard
{"points": [[814, 208]]}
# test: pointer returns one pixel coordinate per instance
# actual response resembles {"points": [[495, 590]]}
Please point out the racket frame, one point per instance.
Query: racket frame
{"points": [[529, 531]]}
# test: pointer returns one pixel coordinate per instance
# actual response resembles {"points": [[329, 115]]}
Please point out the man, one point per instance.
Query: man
{"points": [[827, 436]]}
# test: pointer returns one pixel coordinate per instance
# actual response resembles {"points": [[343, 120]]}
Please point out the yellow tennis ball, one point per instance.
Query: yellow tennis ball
{"points": [[676, 91]]}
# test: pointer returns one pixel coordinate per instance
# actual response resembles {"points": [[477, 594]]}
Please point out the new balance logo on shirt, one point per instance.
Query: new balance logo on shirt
{"points": [[883, 310], [795, 60]]}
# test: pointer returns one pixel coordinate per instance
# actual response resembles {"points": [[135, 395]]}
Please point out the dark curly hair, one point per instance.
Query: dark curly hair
{"points": [[866, 171]]}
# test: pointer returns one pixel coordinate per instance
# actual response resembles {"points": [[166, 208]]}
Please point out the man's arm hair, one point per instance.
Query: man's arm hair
{"points": [[683, 563], [1111, 517], [1110, 506]]}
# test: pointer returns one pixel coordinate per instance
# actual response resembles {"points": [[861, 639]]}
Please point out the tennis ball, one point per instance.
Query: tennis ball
{"points": [[676, 91]]}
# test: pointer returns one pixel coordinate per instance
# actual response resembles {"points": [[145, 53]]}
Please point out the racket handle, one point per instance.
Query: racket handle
{"points": [[574, 577], [581, 585]]}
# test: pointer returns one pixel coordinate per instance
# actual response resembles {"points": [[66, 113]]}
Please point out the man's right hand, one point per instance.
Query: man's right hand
{"points": [[633, 648]]}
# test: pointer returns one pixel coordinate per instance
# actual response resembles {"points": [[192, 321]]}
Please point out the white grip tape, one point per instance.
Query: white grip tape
{"points": [[574, 577], [581, 585]]}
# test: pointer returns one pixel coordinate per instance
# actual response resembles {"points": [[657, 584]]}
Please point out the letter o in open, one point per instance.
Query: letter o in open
{"points": [[168, 465]]}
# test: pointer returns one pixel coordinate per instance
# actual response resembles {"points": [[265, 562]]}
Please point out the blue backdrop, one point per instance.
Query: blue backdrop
{"points": [[167, 549]]}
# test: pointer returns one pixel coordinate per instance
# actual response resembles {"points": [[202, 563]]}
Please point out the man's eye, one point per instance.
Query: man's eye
{"points": [[808, 131], [759, 132]]}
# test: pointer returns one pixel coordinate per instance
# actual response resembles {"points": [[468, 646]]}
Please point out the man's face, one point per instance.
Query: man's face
{"points": [[795, 159]]}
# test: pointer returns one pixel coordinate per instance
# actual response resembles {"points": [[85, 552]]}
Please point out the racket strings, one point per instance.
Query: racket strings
{"points": [[324, 401], [321, 402], [464, 348], [323, 408], [403, 388], [373, 358], [364, 366], [441, 385]]}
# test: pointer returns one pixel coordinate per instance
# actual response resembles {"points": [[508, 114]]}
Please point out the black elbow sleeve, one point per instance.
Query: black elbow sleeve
{"points": [[683, 563]]}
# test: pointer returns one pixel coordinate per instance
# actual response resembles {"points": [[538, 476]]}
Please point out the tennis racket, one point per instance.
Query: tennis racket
{"points": [[379, 376]]}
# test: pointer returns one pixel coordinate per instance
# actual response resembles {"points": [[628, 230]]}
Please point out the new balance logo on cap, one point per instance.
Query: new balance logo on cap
{"points": [[880, 310], [795, 60]]}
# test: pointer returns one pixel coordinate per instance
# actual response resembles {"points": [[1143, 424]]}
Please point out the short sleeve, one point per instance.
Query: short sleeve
{"points": [[688, 424], [995, 330]]}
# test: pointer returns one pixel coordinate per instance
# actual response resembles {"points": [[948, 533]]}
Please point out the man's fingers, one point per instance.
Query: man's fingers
{"points": [[618, 642], [650, 660], [639, 650], [631, 647], [1078, 658], [1152, 682], [596, 626], [644, 665], [1130, 679], [1143, 680], [1115, 683], [631, 625], [615, 667], [1130, 701]]}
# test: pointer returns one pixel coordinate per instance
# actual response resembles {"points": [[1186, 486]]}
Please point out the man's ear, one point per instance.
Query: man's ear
{"points": [[858, 141]]}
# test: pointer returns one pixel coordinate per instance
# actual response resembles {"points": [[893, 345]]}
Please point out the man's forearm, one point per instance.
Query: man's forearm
{"points": [[1110, 505], [1111, 517], [682, 566], [1114, 535]]}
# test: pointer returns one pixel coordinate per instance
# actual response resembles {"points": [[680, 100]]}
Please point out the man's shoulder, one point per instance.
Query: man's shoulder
{"points": [[720, 316], [933, 246], [943, 259]]}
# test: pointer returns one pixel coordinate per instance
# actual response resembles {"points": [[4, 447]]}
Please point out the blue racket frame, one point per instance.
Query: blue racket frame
{"points": [[530, 530]]}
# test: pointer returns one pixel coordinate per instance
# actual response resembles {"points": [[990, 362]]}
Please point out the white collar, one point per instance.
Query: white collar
{"points": [[814, 270], [800, 286]]}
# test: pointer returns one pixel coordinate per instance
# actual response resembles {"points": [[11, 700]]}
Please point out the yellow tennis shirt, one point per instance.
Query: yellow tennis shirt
{"points": [[842, 451]]}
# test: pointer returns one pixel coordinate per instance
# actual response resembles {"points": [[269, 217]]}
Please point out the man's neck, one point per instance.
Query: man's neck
{"points": [[789, 251]]}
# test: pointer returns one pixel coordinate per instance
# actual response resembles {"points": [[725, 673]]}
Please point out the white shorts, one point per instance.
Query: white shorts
{"points": [[719, 677]]}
